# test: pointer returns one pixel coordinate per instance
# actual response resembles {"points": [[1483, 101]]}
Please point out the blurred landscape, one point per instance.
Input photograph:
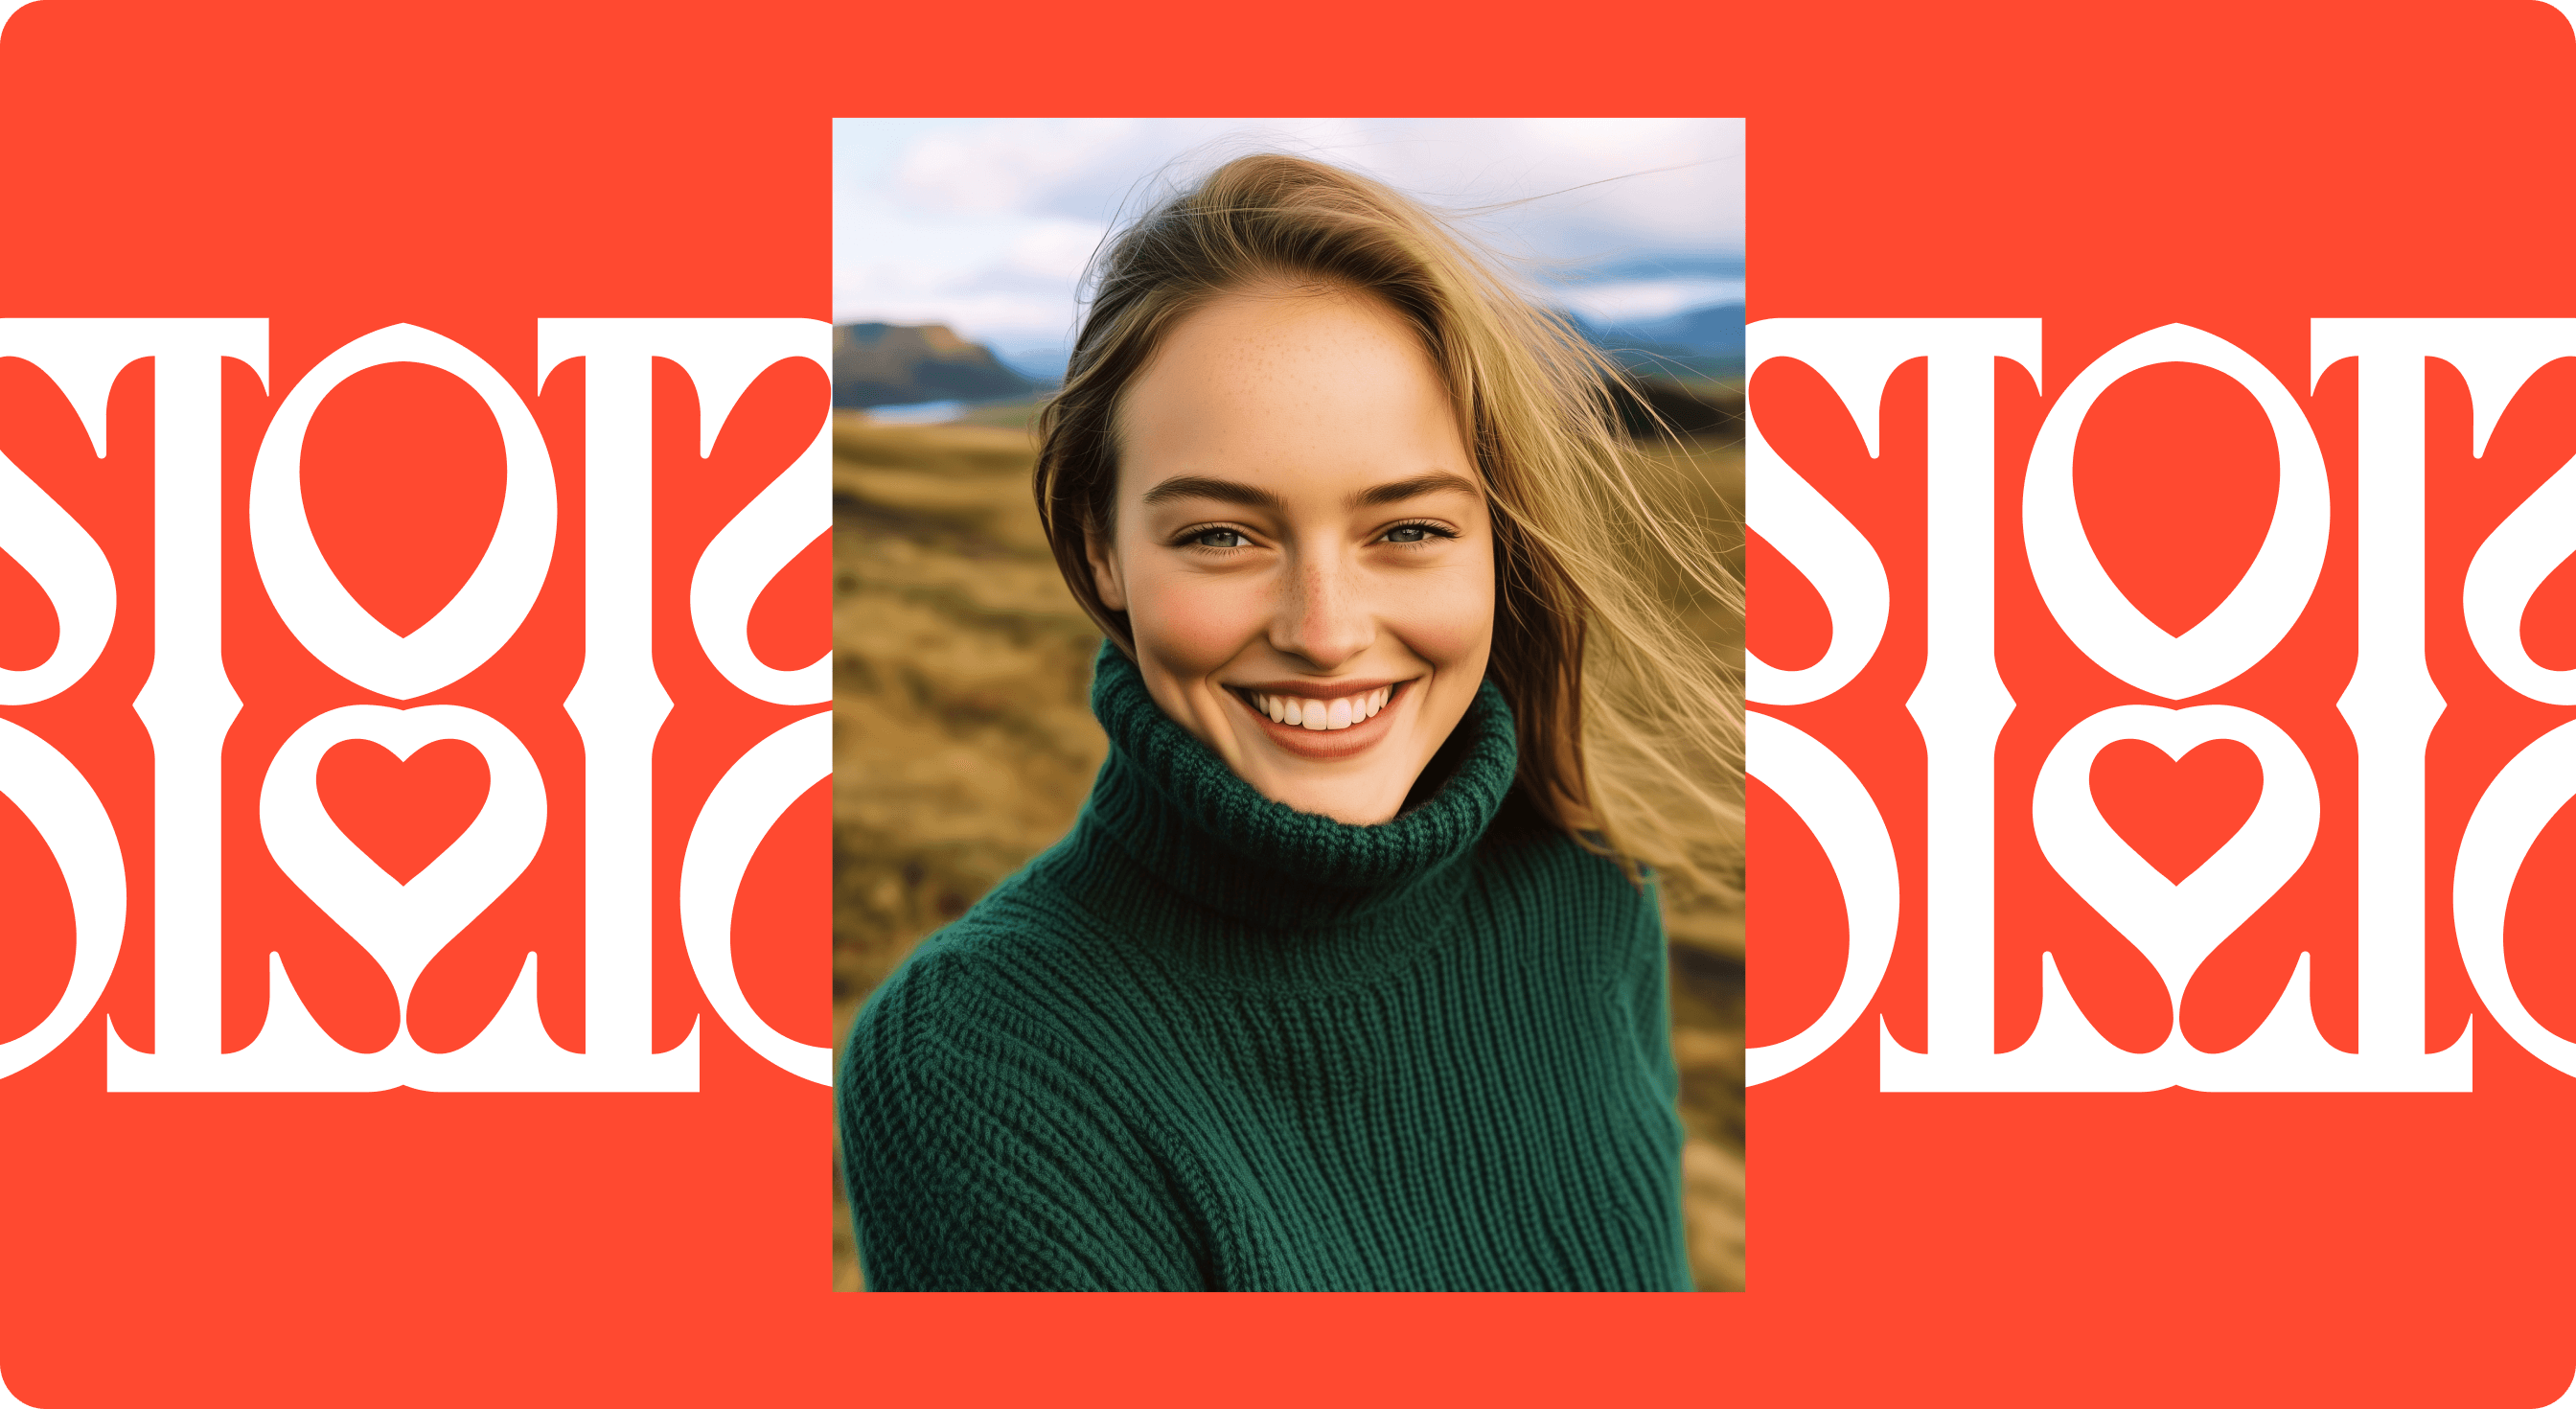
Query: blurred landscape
{"points": [[929, 366], [885, 364], [965, 742]]}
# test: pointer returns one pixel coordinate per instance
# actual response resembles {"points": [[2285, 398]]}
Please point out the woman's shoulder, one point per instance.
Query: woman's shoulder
{"points": [[979, 1121], [972, 1022], [1028, 982], [1585, 901], [1004, 964]]}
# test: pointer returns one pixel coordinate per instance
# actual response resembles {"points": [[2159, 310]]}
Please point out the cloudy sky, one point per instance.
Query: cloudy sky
{"points": [[985, 224]]}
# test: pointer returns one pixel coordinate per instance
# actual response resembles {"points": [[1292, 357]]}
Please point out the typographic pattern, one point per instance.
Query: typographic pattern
{"points": [[1977, 670], [617, 707]]}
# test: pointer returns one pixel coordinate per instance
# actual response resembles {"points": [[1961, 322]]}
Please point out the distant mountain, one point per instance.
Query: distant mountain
{"points": [[1706, 342], [1042, 363], [893, 364], [1716, 331]]}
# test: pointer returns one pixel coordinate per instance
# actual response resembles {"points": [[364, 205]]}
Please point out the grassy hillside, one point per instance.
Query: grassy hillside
{"points": [[965, 744]]}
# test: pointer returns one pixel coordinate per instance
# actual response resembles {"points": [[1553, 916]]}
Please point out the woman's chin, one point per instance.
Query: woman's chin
{"points": [[1348, 774], [1359, 802]]}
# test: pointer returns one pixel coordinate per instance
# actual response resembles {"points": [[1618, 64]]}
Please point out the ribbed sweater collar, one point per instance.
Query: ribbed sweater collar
{"points": [[1213, 849]]}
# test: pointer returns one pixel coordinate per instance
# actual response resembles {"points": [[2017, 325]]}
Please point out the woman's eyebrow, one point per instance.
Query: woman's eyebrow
{"points": [[1397, 491], [1225, 491], [1253, 496]]}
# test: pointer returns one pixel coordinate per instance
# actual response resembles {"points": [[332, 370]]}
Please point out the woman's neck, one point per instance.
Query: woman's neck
{"points": [[1175, 848]]}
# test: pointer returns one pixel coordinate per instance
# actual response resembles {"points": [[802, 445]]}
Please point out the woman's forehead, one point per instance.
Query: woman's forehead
{"points": [[1298, 393]]}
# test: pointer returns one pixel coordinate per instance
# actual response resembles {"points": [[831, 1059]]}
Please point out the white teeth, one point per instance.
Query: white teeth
{"points": [[1298, 712]]}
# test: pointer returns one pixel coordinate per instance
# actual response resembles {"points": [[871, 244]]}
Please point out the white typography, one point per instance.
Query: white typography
{"points": [[617, 706], [1961, 704]]}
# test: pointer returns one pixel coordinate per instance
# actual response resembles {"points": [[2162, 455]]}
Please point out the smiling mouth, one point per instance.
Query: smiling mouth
{"points": [[1321, 715]]}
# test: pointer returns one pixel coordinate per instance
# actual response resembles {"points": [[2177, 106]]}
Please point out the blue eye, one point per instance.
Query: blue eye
{"points": [[1416, 533]]}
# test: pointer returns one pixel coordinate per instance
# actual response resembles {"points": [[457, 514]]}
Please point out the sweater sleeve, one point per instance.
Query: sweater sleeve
{"points": [[1649, 995], [978, 1156], [1649, 999], [1632, 970]]}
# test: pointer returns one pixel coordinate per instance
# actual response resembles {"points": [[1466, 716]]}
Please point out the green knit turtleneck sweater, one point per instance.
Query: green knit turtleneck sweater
{"points": [[1207, 1042]]}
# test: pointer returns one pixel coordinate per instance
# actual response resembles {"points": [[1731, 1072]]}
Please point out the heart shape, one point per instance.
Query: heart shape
{"points": [[2175, 923], [403, 923], [403, 812], [2176, 812]]}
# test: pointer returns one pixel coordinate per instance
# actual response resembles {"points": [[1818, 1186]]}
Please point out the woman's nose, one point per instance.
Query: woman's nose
{"points": [[1322, 618]]}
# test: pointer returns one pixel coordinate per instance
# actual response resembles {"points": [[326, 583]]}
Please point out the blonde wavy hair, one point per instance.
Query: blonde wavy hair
{"points": [[1631, 726]]}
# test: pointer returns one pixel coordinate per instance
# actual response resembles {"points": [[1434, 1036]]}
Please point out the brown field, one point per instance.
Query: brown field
{"points": [[964, 744]]}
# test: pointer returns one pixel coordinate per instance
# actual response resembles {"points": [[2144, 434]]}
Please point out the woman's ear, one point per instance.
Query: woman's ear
{"points": [[1104, 568]]}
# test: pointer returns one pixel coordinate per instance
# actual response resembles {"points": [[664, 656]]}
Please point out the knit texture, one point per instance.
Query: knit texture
{"points": [[1208, 1042]]}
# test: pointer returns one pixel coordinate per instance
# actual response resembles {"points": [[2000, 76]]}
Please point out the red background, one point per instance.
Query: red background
{"points": [[473, 167]]}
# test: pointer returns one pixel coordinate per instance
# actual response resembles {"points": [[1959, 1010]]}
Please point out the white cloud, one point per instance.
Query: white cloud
{"points": [[1055, 248], [1644, 300], [1005, 167], [987, 224]]}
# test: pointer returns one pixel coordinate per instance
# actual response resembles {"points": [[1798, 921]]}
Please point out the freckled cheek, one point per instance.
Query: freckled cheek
{"points": [[1447, 619], [1194, 624]]}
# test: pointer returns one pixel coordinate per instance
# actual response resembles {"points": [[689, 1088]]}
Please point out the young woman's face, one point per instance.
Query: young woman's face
{"points": [[1301, 546]]}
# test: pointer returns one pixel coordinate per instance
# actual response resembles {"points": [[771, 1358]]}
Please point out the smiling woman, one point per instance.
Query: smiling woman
{"points": [[1350, 974], [1300, 534]]}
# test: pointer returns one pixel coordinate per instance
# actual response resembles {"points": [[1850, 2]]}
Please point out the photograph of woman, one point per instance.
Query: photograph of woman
{"points": [[1351, 973]]}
